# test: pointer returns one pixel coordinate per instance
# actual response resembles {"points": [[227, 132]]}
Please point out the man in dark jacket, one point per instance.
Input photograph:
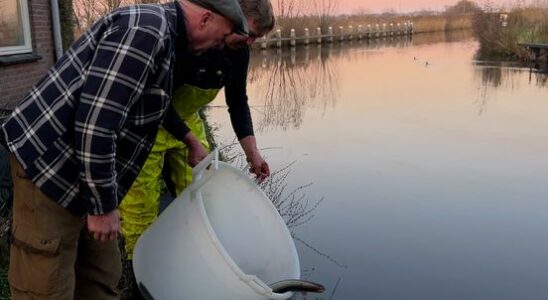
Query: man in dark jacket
{"points": [[81, 135]]}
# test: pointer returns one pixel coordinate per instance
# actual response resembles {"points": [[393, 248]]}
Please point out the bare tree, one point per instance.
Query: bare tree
{"points": [[85, 12], [324, 10], [288, 12], [463, 7], [107, 6], [288, 8], [541, 4], [289, 84]]}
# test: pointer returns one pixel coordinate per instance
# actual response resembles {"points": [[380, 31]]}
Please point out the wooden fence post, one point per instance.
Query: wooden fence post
{"points": [[350, 32], [264, 42], [319, 32]]}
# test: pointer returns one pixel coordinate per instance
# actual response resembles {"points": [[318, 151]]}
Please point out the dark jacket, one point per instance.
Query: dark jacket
{"points": [[215, 69]]}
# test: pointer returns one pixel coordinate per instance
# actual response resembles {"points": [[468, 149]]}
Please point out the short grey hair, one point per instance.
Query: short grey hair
{"points": [[261, 12]]}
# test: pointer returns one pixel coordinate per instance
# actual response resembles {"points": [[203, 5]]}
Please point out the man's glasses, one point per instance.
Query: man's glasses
{"points": [[252, 36]]}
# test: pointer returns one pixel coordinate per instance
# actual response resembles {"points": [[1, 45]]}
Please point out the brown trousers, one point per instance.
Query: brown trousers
{"points": [[52, 255]]}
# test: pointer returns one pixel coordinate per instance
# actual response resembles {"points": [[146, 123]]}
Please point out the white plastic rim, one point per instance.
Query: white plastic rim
{"points": [[253, 281], [229, 249]]}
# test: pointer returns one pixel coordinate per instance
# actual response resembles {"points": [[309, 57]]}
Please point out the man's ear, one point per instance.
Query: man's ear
{"points": [[207, 16]]}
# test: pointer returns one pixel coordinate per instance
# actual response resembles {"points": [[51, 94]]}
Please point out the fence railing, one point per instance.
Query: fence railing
{"points": [[370, 31]]}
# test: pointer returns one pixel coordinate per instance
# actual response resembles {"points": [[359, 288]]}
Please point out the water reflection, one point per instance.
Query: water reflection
{"points": [[291, 80], [442, 37], [540, 78], [493, 77], [288, 81], [425, 198], [509, 76]]}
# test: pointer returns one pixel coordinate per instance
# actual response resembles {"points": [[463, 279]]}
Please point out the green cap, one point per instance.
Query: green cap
{"points": [[229, 9]]}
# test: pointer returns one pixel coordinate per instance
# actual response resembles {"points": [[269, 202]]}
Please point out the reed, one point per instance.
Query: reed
{"points": [[442, 23], [499, 42]]}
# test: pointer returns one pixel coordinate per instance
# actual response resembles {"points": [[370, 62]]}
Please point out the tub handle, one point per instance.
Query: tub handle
{"points": [[210, 161]]}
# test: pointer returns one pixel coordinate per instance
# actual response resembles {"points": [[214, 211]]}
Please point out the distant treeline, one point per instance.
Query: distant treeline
{"points": [[458, 16]]}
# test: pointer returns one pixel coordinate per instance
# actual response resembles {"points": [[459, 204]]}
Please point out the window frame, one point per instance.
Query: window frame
{"points": [[27, 46]]}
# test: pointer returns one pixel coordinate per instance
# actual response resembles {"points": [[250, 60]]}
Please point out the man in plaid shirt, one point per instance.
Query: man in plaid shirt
{"points": [[81, 135]]}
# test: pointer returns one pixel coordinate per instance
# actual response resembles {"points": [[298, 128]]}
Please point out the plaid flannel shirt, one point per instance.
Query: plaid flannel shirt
{"points": [[83, 132]]}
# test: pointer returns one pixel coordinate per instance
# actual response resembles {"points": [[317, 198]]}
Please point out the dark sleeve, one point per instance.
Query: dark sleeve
{"points": [[236, 93], [174, 124]]}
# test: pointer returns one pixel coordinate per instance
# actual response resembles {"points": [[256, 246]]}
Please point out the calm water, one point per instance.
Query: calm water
{"points": [[433, 167]]}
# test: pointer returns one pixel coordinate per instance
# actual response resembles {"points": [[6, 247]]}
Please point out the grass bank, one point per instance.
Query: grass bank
{"points": [[499, 41]]}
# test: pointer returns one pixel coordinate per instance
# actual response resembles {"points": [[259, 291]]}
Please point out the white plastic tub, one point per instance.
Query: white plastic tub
{"points": [[220, 239]]}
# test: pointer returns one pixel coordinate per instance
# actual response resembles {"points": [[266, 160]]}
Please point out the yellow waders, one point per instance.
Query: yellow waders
{"points": [[140, 206]]}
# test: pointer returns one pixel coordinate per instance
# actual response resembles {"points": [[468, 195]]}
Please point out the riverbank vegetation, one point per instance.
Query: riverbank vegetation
{"points": [[312, 14], [499, 34]]}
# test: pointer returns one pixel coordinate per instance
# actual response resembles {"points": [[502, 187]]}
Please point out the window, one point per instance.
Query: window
{"points": [[14, 27]]}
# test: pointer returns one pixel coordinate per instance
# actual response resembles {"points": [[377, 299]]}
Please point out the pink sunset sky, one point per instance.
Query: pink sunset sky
{"points": [[349, 6]]}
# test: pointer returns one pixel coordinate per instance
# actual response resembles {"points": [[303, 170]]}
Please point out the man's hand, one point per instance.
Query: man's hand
{"points": [[258, 166], [104, 227], [196, 151]]}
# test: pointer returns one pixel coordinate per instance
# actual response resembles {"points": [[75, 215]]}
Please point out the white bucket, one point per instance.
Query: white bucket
{"points": [[220, 239]]}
